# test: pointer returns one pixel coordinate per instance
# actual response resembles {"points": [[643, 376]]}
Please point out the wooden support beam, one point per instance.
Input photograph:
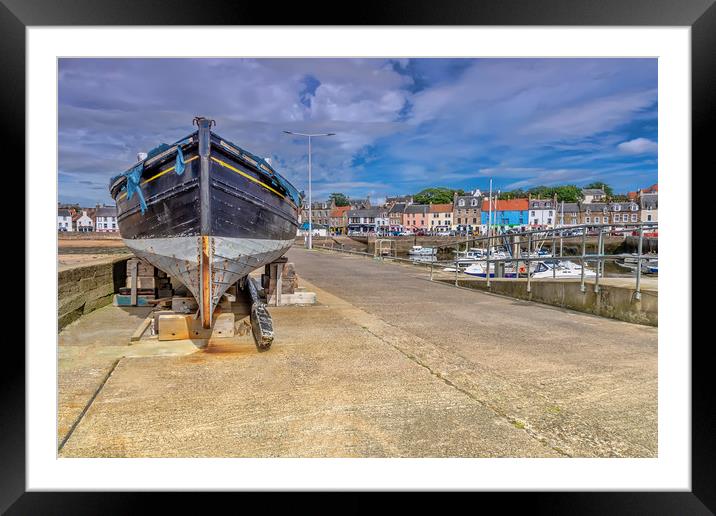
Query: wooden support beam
{"points": [[205, 278], [135, 272], [137, 335]]}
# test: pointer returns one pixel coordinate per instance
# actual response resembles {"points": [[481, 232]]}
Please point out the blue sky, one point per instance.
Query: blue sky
{"points": [[401, 124]]}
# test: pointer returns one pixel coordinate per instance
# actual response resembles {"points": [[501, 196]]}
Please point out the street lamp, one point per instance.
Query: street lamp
{"points": [[310, 211]]}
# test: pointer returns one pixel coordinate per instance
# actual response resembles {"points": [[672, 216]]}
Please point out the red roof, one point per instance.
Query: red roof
{"points": [[440, 208], [339, 211], [506, 205], [651, 189], [632, 195]]}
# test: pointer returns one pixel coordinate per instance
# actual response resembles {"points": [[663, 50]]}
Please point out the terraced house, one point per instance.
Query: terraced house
{"points": [[649, 207], [415, 217], [105, 219], [623, 212], [568, 214], [609, 213], [440, 217], [395, 216], [543, 212], [466, 212], [508, 213], [64, 220], [363, 220], [339, 220]]}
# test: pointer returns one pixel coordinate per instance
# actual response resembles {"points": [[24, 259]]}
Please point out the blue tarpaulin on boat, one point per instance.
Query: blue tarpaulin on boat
{"points": [[133, 179], [157, 150], [179, 167]]}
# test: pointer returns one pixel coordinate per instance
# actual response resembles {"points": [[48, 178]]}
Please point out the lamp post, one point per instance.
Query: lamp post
{"points": [[310, 202]]}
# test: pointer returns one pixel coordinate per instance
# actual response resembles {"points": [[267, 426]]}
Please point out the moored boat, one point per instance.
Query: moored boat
{"points": [[206, 212], [418, 250]]}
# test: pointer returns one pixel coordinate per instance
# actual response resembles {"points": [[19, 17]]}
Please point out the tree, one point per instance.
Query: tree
{"points": [[604, 186], [568, 193], [339, 199], [541, 192], [436, 195]]}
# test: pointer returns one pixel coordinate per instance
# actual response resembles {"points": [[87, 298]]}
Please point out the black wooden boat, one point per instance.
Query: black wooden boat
{"points": [[205, 211]]}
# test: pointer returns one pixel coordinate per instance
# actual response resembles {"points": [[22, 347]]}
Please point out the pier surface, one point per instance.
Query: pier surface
{"points": [[388, 364]]}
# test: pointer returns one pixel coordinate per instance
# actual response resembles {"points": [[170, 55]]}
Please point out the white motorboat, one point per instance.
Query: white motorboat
{"points": [[564, 269], [479, 269], [418, 250], [649, 263]]}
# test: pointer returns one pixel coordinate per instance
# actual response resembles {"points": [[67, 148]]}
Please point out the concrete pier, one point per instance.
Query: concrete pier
{"points": [[387, 364]]}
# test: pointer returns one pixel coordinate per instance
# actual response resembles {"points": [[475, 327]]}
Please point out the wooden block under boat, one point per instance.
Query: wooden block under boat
{"points": [[183, 326]]}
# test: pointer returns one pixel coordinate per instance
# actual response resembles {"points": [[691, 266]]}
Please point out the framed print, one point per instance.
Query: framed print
{"points": [[413, 249]]}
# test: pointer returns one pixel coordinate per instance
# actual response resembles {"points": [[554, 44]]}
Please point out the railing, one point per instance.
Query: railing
{"points": [[531, 240]]}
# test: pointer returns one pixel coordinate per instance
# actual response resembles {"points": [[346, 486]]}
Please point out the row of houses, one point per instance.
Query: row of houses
{"points": [[473, 213], [74, 218]]}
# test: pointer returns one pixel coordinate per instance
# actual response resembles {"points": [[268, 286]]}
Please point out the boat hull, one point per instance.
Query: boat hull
{"points": [[213, 223], [230, 259]]}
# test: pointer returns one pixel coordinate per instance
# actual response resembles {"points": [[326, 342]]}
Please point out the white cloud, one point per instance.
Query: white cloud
{"points": [[638, 146]]}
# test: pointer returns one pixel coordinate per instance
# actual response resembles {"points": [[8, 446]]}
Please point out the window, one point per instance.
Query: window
{"points": [[459, 220], [473, 202], [648, 218], [617, 207], [616, 217], [535, 222], [461, 202], [596, 220], [549, 221], [533, 214], [633, 217], [474, 220]]}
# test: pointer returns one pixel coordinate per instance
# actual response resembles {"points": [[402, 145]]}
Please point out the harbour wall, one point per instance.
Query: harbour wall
{"points": [[613, 301], [85, 288]]}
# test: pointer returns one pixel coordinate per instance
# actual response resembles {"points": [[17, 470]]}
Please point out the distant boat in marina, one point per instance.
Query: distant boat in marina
{"points": [[479, 269], [563, 269], [418, 250], [649, 263]]}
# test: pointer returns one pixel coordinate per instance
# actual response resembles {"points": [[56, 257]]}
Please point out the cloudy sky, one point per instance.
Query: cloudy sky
{"points": [[401, 124]]}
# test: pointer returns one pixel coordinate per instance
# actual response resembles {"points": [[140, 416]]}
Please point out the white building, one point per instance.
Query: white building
{"points": [[382, 219], [590, 195], [84, 222], [64, 220], [542, 212], [106, 219]]}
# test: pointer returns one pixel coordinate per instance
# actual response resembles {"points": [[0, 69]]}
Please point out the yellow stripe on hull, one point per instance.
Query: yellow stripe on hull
{"points": [[223, 164], [247, 176]]}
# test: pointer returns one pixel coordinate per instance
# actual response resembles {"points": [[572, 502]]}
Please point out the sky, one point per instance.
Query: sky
{"points": [[401, 124]]}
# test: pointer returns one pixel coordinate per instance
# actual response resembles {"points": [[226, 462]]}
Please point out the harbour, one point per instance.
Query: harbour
{"points": [[227, 304], [362, 373]]}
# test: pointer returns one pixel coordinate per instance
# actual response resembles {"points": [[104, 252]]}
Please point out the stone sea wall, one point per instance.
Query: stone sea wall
{"points": [[85, 288]]}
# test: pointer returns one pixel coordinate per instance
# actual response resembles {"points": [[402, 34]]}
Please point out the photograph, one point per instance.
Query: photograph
{"points": [[358, 257]]}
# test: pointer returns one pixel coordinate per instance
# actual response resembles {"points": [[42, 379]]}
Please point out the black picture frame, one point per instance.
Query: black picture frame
{"points": [[700, 15]]}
